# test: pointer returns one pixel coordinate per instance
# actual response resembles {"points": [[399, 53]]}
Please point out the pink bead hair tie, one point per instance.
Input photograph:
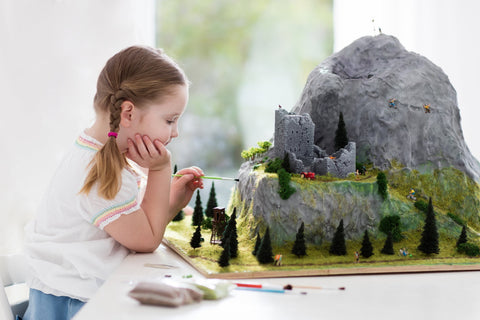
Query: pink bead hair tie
{"points": [[113, 134]]}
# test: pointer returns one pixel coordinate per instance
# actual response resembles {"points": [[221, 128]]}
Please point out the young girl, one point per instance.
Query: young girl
{"points": [[92, 215]]}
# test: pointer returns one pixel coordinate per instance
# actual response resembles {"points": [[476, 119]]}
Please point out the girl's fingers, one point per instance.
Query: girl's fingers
{"points": [[132, 150], [140, 145]]}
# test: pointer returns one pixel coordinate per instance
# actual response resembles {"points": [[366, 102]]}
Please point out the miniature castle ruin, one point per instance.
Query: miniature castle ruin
{"points": [[294, 138]]}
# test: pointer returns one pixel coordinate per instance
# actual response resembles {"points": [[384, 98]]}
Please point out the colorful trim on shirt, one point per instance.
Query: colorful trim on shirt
{"points": [[82, 142], [112, 211]]}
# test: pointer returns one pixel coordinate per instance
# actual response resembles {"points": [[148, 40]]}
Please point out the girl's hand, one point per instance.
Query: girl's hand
{"points": [[148, 154], [182, 188]]}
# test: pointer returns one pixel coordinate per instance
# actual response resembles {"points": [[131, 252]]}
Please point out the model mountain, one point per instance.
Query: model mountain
{"points": [[400, 110], [382, 89]]}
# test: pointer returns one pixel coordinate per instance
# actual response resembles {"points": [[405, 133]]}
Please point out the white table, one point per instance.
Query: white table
{"points": [[452, 295]]}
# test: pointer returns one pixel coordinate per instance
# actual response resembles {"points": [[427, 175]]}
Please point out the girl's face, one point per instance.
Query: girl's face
{"points": [[158, 120]]}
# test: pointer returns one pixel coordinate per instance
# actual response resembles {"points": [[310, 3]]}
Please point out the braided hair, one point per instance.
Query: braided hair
{"points": [[137, 74]]}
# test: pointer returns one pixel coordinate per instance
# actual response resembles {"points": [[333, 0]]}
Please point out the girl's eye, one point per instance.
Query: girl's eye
{"points": [[170, 121]]}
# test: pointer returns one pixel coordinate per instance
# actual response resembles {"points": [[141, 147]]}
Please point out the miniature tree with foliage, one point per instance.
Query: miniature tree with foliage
{"points": [[196, 240], [224, 260], [299, 248], [285, 189], [197, 217], [391, 224], [463, 237], [429, 240], [388, 246], [382, 185], [341, 137], [338, 246], [265, 253], [257, 244], [212, 202], [367, 249]]}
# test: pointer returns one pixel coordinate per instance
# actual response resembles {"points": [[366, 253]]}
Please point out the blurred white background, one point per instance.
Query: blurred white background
{"points": [[53, 50]]}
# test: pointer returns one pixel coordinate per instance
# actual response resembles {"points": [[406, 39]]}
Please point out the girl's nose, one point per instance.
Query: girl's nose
{"points": [[174, 133]]}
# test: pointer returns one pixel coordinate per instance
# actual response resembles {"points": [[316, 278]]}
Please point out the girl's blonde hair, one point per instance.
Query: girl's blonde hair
{"points": [[137, 74]]}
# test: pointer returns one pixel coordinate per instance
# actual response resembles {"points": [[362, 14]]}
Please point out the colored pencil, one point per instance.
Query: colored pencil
{"points": [[207, 177]]}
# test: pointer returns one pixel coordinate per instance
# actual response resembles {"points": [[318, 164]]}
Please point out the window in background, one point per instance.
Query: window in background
{"points": [[244, 58]]}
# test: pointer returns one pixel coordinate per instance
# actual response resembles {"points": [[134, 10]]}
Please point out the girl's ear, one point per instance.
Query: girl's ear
{"points": [[126, 115]]}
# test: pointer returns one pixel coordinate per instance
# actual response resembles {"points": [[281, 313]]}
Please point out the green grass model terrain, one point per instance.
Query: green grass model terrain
{"points": [[455, 198]]}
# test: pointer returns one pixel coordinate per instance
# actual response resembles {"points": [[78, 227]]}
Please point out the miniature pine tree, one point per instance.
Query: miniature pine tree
{"points": [[226, 233], [265, 253], [286, 163], [388, 246], [367, 249], [341, 138], [196, 239], [212, 202], [180, 216], [299, 248], [224, 260], [233, 237], [257, 244], [463, 237], [382, 185], [429, 240], [197, 217], [338, 246]]}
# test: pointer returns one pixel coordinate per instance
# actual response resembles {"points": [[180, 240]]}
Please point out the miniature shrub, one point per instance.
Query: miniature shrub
{"points": [[391, 224], [274, 165], [382, 185], [421, 205], [285, 190], [456, 218], [207, 223], [469, 249]]}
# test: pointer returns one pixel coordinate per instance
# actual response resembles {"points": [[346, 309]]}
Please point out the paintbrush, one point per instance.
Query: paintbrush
{"points": [[207, 177], [286, 287]]}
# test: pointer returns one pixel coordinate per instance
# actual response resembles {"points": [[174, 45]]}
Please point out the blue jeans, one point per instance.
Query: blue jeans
{"points": [[42, 306]]}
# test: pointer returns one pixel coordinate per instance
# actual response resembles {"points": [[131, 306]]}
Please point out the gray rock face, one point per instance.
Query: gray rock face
{"points": [[361, 80], [320, 206]]}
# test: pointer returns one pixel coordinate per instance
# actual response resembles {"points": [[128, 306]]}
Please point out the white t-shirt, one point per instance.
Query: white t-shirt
{"points": [[68, 252]]}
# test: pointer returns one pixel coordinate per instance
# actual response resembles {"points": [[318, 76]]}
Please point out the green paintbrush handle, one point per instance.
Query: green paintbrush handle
{"points": [[207, 177]]}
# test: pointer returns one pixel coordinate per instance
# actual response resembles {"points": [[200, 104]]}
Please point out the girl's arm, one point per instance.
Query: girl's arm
{"points": [[143, 230]]}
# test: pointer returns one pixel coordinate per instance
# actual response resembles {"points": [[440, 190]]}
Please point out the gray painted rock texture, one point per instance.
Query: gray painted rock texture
{"points": [[360, 80]]}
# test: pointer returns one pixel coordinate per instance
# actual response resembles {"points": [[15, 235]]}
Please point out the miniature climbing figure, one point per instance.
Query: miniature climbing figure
{"points": [[392, 103], [357, 257], [426, 107], [411, 195]]}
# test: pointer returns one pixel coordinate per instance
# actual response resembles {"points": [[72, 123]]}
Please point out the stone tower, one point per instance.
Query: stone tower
{"points": [[294, 133]]}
